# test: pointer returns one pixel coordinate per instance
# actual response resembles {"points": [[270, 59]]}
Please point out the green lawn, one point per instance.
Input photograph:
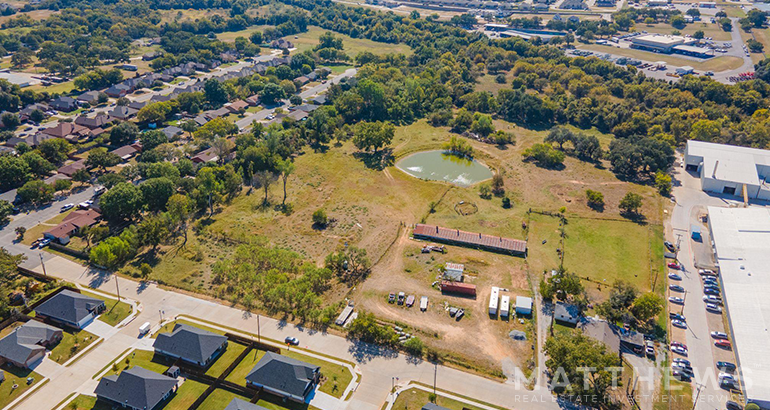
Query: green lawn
{"points": [[238, 375], [351, 46], [83, 402], [142, 358], [414, 399], [71, 344], [34, 233], [220, 398], [116, 311], [225, 359], [337, 377], [186, 395], [18, 377]]}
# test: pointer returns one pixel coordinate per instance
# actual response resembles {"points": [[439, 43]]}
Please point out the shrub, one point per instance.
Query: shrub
{"points": [[320, 218], [595, 199], [545, 155], [414, 346]]}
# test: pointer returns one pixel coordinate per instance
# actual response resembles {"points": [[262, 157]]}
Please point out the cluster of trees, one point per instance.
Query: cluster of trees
{"points": [[278, 280], [626, 305], [98, 78], [562, 285], [585, 147], [459, 147], [31, 165]]}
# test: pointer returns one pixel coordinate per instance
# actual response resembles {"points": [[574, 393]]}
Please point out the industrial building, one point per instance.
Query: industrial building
{"points": [[670, 44], [729, 169], [741, 239], [470, 239]]}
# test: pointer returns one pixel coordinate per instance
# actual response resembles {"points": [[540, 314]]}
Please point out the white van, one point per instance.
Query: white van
{"points": [[144, 329]]}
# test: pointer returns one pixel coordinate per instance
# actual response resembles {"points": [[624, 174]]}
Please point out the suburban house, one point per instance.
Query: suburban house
{"points": [[32, 140], [253, 100], [207, 155], [298, 115], [136, 388], [72, 224], [614, 337], [319, 100], [137, 105], [25, 113], [123, 113], [191, 344], [27, 343], [237, 105], [91, 97], [432, 406], [172, 131], [67, 130], [566, 314], [71, 309], [152, 55], [284, 377], [64, 104], [302, 80], [573, 5], [125, 152], [73, 167], [98, 121], [238, 404], [118, 90]]}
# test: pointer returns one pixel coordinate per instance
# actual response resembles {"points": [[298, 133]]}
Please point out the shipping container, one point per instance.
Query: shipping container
{"points": [[458, 287]]}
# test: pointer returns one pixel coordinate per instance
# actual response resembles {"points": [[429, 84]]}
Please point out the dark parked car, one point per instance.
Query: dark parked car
{"points": [[670, 246], [676, 316], [726, 366], [291, 341], [711, 291]]}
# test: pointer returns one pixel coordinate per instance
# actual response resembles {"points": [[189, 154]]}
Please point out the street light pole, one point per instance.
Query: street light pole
{"points": [[259, 333], [117, 287]]}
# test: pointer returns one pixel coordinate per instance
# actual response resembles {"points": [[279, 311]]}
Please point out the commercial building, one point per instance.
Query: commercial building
{"points": [[742, 246], [659, 43], [729, 169]]}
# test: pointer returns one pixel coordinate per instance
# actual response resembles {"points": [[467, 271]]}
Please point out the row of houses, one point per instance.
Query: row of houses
{"points": [[142, 389]]}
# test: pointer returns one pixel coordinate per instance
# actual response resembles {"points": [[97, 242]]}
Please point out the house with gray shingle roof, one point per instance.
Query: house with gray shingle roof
{"points": [[71, 309], [284, 377], [238, 404], [136, 388], [191, 344], [27, 343]]}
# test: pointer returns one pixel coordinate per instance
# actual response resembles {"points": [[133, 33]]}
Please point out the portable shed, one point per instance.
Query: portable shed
{"points": [[493, 300], [523, 305], [505, 306], [695, 232]]}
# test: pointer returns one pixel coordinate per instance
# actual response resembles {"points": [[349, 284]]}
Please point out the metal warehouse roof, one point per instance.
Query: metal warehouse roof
{"points": [[470, 238], [742, 243]]}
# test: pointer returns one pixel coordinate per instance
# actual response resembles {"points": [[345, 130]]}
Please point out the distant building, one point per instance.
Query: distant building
{"points": [[64, 104], [91, 97], [729, 169], [454, 271], [281, 44], [573, 5]]}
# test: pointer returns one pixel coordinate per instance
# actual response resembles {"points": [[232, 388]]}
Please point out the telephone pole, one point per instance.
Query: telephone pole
{"points": [[42, 262], [117, 286]]}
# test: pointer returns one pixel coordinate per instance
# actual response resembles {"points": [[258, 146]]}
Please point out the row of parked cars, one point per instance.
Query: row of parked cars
{"points": [[402, 299]]}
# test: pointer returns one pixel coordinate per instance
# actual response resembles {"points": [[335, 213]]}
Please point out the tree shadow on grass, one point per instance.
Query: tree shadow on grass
{"points": [[634, 217], [364, 352], [376, 160]]}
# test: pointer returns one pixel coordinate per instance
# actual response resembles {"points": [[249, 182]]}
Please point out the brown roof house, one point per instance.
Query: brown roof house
{"points": [[72, 224], [70, 131], [237, 106], [70, 169]]}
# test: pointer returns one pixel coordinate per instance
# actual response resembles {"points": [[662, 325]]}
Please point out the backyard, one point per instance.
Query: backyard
{"points": [[225, 359], [15, 383]]}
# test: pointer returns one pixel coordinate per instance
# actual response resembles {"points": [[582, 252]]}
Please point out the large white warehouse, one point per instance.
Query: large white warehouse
{"points": [[729, 169]]}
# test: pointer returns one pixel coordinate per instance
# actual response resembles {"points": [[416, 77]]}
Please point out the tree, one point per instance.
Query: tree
{"points": [[581, 366], [663, 183], [14, 172], [699, 34], [414, 346], [286, 168], [726, 24], [755, 46], [209, 186], [462, 121], [498, 184], [350, 263], [647, 306], [37, 192], [617, 307], [561, 285], [545, 155], [62, 185], [155, 112], [6, 209], [631, 203], [678, 22], [20, 231], [180, 209], [22, 58], [123, 202], [124, 133], [37, 164], [152, 231], [37, 116], [10, 120], [757, 17], [373, 135], [272, 93], [81, 176], [156, 193], [216, 128], [595, 199], [222, 147], [189, 127], [559, 135], [215, 92], [256, 38], [320, 219], [151, 139], [482, 124], [102, 159]]}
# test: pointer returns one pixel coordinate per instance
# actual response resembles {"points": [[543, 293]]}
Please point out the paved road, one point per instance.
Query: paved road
{"points": [[697, 338]]}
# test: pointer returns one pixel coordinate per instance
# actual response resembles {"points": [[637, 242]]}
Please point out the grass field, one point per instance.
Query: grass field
{"points": [[336, 377], [414, 399], [71, 344], [185, 395], [142, 358], [238, 375], [220, 398], [83, 402], [352, 46], [709, 30], [116, 311], [720, 63], [15, 377], [225, 359]]}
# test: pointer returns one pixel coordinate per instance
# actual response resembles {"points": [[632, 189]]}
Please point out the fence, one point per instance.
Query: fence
{"points": [[68, 251]]}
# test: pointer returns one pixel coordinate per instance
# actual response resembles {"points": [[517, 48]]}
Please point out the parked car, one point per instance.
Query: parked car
{"points": [[410, 301], [676, 288], [670, 246], [719, 335], [731, 405], [682, 369], [85, 204], [679, 323], [706, 272], [66, 207], [676, 316], [711, 291], [674, 276], [679, 350], [675, 265], [724, 344], [713, 308], [709, 280], [679, 344], [43, 243], [681, 376], [728, 384], [291, 341], [391, 297], [712, 299], [677, 300], [726, 366], [728, 376], [684, 362]]}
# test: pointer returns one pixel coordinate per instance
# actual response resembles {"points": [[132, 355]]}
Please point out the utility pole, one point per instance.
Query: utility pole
{"points": [[42, 262], [259, 334], [435, 371], [117, 286], [695, 402]]}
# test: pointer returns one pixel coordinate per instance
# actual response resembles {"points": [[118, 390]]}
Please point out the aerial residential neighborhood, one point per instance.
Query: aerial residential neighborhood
{"points": [[386, 204]]}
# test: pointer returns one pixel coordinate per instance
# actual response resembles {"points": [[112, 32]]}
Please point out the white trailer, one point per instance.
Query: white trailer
{"points": [[424, 303], [505, 306], [493, 299]]}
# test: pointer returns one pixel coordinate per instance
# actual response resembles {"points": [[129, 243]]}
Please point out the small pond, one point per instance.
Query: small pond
{"points": [[440, 166]]}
